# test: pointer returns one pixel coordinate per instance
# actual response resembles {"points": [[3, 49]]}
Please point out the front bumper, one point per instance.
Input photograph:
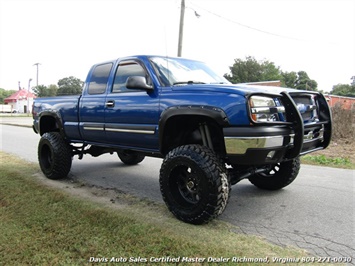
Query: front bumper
{"points": [[257, 146], [266, 146], [269, 143]]}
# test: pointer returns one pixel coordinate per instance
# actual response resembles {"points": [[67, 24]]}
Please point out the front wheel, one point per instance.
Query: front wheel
{"points": [[194, 184], [279, 175], [54, 155]]}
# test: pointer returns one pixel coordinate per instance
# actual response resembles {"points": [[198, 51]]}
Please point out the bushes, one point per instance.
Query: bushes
{"points": [[343, 122]]}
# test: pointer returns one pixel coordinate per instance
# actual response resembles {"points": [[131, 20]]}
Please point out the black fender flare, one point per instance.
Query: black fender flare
{"points": [[57, 118], [214, 113]]}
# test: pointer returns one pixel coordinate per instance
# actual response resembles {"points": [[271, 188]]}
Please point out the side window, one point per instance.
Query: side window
{"points": [[99, 79], [124, 71]]}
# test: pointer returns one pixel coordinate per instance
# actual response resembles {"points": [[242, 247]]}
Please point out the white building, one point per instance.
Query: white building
{"points": [[21, 101]]}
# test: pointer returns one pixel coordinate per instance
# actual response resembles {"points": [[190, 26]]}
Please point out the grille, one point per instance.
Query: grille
{"points": [[307, 107]]}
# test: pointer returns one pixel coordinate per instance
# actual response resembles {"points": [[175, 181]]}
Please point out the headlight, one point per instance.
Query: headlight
{"points": [[264, 109], [260, 101]]}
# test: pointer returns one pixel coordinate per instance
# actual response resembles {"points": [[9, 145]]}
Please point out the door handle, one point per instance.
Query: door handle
{"points": [[110, 103]]}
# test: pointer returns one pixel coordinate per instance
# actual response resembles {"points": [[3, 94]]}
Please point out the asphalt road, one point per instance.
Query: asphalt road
{"points": [[316, 212]]}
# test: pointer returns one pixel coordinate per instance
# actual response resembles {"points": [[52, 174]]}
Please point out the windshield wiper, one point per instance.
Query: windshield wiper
{"points": [[188, 82]]}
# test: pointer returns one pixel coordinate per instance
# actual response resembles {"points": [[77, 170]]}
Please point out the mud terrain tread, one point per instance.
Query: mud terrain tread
{"points": [[286, 174], [217, 182], [60, 163]]}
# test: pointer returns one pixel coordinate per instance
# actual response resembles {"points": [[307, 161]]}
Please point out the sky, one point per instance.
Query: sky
{"points": [[66, 37]]}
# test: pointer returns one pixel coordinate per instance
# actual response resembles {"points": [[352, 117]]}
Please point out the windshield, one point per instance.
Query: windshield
{"points": [[179, 71]]}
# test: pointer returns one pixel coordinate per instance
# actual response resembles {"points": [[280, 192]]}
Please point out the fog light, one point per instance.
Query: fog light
{"points": [[270, 155]]}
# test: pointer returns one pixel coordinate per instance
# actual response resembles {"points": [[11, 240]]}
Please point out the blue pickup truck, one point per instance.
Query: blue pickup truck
{"points": [[210, 133]]}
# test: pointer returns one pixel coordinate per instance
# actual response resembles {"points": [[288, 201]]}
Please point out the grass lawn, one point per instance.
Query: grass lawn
{"points": [[41, 225]]}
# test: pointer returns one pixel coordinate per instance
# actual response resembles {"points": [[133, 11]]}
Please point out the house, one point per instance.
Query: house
{"points": [[276, 83], [21, 101]]}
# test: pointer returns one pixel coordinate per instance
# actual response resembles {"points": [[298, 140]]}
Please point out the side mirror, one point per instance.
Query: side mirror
{"points": [[138, 82]]}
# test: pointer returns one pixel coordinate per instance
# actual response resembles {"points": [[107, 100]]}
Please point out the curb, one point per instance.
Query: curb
{"points": [[16, 125]]}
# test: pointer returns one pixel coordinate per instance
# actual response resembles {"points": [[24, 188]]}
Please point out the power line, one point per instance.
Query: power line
{"points": [[247, 26]]}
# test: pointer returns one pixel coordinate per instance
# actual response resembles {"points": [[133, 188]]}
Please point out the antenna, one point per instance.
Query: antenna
{"points": [[166, 41]]}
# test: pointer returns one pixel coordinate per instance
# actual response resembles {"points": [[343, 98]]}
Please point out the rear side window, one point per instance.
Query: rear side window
{"points": [[99, 79]]}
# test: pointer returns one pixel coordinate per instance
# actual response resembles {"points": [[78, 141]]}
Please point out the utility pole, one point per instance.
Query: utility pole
{"points": [[36, 64], [28, 95], [181, 28]]}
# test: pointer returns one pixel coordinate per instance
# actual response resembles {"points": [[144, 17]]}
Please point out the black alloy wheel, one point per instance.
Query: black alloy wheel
{"points": [[194, 184]]}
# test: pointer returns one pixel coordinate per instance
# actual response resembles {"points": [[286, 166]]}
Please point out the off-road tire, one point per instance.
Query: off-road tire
{"points": [[54, 155], [130, 158], [194, 184], [280, 175]]}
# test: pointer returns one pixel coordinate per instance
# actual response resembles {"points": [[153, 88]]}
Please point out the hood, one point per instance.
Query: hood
{"points": [[240, 89]]}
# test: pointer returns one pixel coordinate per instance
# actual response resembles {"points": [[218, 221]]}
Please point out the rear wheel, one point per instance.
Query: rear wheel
{"points": [[54, 155], [279, 175], [194, 184], [130, 158]]}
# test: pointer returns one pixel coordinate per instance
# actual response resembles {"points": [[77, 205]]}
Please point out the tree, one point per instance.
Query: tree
{"points": [[289, 79], [343, 90], [69, 86], [299, 80], [305, 83], [250, 70], [52, 90], [270, 71], [4, 94], [43, 91]]}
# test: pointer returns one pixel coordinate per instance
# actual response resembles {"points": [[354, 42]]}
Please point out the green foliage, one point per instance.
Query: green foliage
{"points": [[298, 80], [66, 86], [327, 161], [305, 83], [4, 94], [69, 86], [270, 71], [343, 90], [44, 91], [251, 70], [289, 79]]}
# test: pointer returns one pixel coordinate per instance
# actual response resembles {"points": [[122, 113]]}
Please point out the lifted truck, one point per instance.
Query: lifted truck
{"points": [[211, 133]]}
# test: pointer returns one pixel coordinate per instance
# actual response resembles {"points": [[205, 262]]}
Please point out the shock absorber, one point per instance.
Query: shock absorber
{"points": [[206, 136]]}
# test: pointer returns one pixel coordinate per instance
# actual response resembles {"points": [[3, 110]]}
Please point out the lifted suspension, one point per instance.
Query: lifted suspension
{"points": [[94, 151], [238, 175]]}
